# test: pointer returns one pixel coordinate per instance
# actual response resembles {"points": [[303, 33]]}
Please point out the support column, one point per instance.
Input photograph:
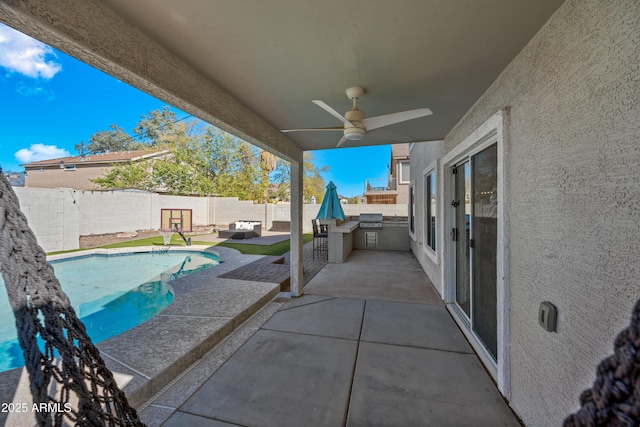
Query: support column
{"points": [[297, 281]]}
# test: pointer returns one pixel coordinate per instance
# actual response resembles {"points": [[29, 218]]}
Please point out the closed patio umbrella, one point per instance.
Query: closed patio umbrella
{"points": [[331, 207]]}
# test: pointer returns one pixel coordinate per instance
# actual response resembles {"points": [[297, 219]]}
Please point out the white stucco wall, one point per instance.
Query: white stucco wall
{"points": [[422, 162], [574, 197]]}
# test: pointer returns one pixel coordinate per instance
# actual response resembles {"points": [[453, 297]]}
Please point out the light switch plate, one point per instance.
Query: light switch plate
{"points": [[547, 316]]}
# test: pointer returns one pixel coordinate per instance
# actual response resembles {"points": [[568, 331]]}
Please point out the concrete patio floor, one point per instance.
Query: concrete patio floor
{"points": [[369, 344]]}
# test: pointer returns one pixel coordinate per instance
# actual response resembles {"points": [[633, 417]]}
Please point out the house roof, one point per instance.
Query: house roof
{"points": [[104, 158]]}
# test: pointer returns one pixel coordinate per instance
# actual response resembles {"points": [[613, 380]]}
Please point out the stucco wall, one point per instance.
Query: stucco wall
{"points": [[574, 200], [423, 156], [56, 177]]}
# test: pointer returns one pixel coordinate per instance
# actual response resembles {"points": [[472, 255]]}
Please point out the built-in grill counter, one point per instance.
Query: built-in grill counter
{"points": [[368, 231], [377, 232]]}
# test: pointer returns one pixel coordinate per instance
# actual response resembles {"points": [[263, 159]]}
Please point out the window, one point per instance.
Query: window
{"points": [[412, 208], [404, 172], [430, 209], [70, 168]]}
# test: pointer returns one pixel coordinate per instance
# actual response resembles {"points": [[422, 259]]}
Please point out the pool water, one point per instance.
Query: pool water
{"points": [[110, 293]]}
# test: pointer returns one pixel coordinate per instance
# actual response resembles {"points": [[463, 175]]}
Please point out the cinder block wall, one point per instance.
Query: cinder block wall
{"points": [[199, 208], [225, 210], [104, 212], [574, 197], [60, 216], [52, 216]]}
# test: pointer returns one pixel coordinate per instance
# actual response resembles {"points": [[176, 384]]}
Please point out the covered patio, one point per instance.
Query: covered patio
{"points": [[253, 68], [544, 94], [366, 345]]}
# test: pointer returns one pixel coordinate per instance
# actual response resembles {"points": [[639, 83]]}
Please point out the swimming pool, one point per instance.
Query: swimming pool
{"points": [[110, 292]]}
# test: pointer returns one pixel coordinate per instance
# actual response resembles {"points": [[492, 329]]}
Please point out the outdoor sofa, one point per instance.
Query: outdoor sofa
{"points": [[242, 230]]}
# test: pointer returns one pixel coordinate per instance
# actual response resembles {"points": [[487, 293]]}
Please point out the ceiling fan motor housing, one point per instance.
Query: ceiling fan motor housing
{"points": [[356, 132]]}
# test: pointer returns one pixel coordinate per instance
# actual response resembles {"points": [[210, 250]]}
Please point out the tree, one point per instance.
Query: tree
{"points": [[313, 184], [159, 127], [268, 162], [155, 129], [104, 141], [202, 160], [235, 167], [130, 175]]}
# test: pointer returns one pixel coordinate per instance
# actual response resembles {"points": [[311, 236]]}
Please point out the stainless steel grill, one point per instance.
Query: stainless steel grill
{"points": [[371, 221]]}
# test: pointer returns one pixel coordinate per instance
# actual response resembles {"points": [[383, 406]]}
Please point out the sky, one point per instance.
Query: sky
{"points": [[49, 102]]}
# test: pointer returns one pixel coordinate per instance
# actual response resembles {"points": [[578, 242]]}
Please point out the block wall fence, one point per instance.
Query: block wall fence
{"points": [[60, 216]]}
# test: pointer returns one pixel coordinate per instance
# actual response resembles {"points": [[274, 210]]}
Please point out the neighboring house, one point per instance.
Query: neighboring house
{"points": [[395, 188], [78, 171]]}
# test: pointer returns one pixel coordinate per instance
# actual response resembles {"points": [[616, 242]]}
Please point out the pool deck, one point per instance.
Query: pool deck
{"points": [[206, 309], [369, 344]]}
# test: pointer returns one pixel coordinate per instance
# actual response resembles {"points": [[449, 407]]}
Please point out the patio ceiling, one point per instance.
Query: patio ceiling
{"points": [[275, 56]]}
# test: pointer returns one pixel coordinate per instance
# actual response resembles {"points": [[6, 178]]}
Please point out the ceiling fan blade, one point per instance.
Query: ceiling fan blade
{"points": [[331, 111], [340, 128], [390, 119], [341, 142]]}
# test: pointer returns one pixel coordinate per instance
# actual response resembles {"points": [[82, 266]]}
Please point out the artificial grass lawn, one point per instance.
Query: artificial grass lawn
{"points": [[245, 248], [275, 249]]}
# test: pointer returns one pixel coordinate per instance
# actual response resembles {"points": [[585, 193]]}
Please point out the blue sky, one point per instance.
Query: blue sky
{"points": [[49, 102]]}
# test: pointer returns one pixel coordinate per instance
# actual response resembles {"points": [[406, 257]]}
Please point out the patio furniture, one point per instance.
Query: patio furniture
{"points": [[320, 237], [280, 225], [242, 230]]}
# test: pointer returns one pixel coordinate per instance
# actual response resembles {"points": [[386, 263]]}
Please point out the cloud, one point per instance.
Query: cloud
{"points": [[25, 89], [40, 152], [22, 54]]}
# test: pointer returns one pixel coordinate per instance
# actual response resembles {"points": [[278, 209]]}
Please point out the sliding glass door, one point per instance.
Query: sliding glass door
{"points": [[475, 204]]}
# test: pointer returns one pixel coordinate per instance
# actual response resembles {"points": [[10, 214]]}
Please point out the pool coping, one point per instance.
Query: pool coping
{"points": [[133, 249], [205, 310]]}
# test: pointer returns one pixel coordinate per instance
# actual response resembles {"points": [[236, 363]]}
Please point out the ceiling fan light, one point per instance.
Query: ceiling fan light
{"points": [[354, 133], [354, 136]]}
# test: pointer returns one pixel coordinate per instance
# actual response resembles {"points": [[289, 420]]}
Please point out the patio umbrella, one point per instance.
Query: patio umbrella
{"points": [[331, 207]]}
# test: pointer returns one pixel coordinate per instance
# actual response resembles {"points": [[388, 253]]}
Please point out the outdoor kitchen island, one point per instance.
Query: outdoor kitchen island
{"points": [[368, 232], [340, 240]]}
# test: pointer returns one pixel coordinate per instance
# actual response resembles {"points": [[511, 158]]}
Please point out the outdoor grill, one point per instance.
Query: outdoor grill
{"points": [[371, 221]]}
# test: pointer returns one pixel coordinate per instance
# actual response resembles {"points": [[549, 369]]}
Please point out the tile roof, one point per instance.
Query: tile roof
{"points": [[113, 157]]}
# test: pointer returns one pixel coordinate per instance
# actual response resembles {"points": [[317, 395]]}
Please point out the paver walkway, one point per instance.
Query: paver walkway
{"points": [[369, 344], [276, 269]]}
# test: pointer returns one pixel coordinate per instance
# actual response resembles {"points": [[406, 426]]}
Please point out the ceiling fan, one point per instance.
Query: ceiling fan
{"points": [[356, 125]]}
